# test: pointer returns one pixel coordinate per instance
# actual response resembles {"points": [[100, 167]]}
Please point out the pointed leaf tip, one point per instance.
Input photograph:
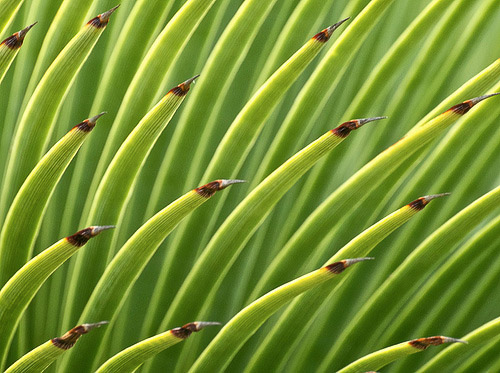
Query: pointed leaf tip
{"points": [[104, 17], [339, 267], [350, 262], [24, 31], [345, 128], [94, 119], [208, 190], [183, 88], [95, 230], [335, 26], [80, 238], [203, 324], [421, 202], [484, 97], [454, 340], [224, 183], [89, 327], [465, 106], [434, 196], [368, 120]]}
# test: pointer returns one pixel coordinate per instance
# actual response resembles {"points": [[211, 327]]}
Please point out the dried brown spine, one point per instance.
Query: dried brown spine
{"points": [[69, 339], [324, 36], [423, 343], [340, 266], [185, 331], [208, 190], [16, 41], [183, 88], [81, 237], [345, 128], [88, 124], [421, 202], [464, 107], [102, 19]]}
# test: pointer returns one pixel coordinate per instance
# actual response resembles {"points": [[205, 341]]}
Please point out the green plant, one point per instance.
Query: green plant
{"points": [[268, 260]]}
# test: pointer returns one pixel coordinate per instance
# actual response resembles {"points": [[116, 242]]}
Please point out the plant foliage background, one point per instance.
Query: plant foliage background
{"points": [[451, 45]]}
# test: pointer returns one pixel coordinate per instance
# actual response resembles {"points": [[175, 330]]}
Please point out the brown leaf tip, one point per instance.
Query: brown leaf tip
{"points": [[88, 124], [69, 339], [185, 331], [421, 202], [102, 19], [15, 41], [208, 190], [325, 35], [183, 88], [339, 267], [423, 343], [80, 238], [465, 106], [345, 128]]}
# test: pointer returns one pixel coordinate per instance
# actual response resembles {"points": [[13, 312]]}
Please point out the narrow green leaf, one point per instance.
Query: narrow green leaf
{"points": [[381, 306], [23, 220], [231, 237], [243, 132], [120, 275], [345, 197], [22, 287], [36, 124], [285, 328], [147, 80], [241, 327], [381, 358], [320, 86], [44, 355], [217, 75], [9, 49], [114, 191], [131, 358]]}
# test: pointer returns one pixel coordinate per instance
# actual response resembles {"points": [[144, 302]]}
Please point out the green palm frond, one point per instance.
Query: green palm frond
{"points": [[256, 258]]}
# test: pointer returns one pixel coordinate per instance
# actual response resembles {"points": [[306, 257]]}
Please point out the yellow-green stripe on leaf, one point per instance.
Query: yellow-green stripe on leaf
{"points": [[112, 289], [44, 355], [381, 358], [9, 49], [219, 353], [23, 220], [36, 123], [132, 357], [18, 292]]}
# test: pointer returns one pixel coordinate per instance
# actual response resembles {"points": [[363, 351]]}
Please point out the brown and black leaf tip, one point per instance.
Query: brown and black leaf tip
{"points": [[88, 124], [339, 267], [15, 41], [465, 106], [183, 88], [421, 202], [325, 35], [208, 190], [423, 343], [345, 128], [185, 331], [69, 339], [102, 19], [80, 238]]}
